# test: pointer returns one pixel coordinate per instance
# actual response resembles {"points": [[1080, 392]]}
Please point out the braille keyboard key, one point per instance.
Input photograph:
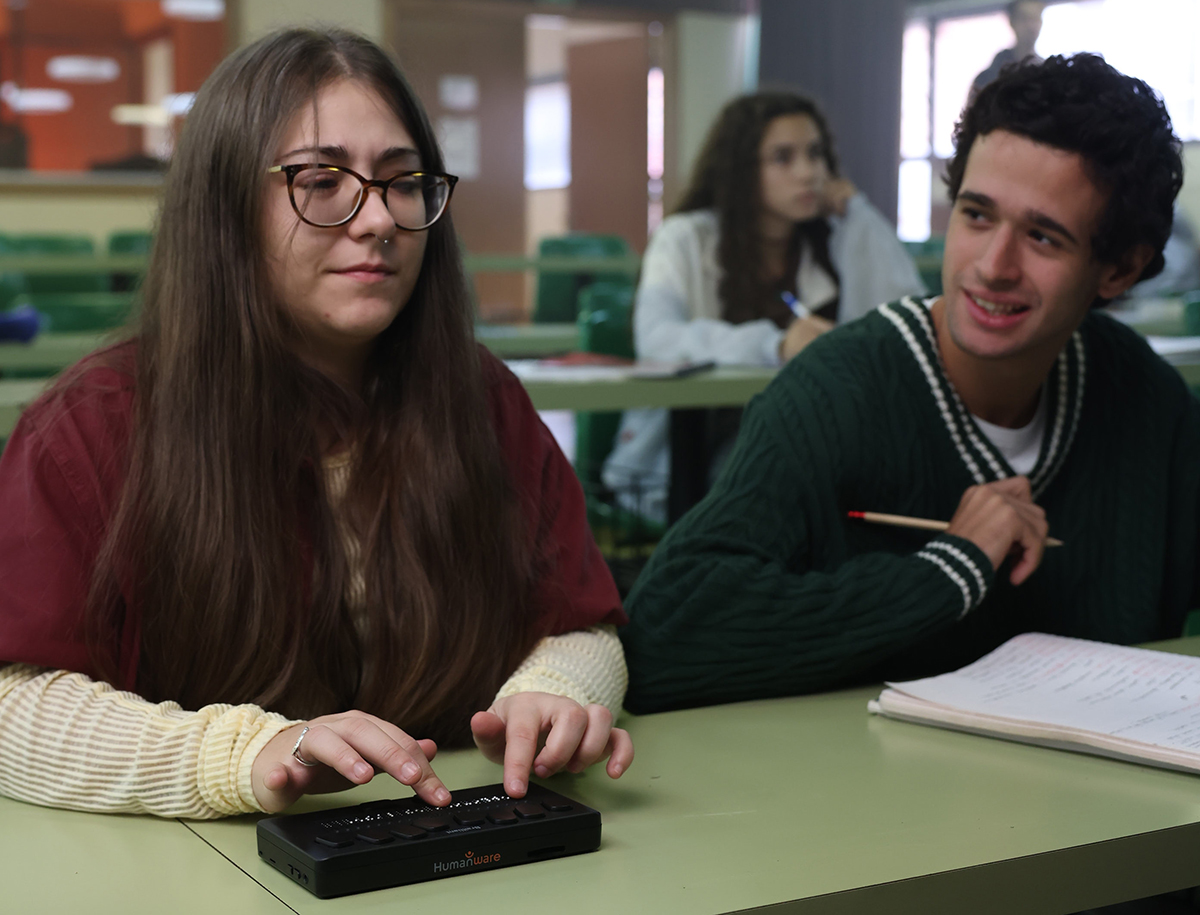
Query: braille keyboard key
{"points": [[407, 832], [465, 818], [557, 805], [375, 836], [503, 817], [432, 824], [334, 841], [529, 811]]}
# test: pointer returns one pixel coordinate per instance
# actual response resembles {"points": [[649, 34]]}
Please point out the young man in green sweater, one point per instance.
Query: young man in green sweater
{"points": [[1007, 406]]}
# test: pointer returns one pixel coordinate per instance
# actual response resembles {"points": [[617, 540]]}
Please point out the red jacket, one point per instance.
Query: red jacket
{"points": [[61, 476]]}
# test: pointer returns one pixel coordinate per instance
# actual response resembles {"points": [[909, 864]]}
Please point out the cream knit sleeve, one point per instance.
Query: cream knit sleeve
{"points": [[587, 665], [68, 741]]}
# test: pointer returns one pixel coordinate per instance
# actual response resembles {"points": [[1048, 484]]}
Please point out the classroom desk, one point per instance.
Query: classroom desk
{"points": [[721, 387], [807, 804], [50, 352], [524, 341], [472, 263], [15, 396], [58, 264], [53, 352], [725, 386], [59, 861]]}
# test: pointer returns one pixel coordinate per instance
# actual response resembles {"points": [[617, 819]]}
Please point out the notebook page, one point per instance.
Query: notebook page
{"points": [[1133, 693]]}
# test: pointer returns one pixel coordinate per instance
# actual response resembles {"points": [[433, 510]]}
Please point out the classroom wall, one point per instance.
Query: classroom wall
{"points": [[78, 210], [801, 44], [713, 64], [257, 17], [847, 56]]}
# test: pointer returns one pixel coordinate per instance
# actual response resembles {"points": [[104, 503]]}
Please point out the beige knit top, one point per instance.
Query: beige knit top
{"points": [[69, 741]]}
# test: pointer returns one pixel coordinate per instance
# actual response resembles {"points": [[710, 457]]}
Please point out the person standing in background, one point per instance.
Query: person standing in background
{"points": [[766, 220], [1025, 19]]}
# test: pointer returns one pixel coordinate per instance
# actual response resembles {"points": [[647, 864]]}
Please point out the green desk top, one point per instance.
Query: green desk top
{"points": [[807, 804], [719, 388], [59, 861], [15, 395], [812, 805], [53, 352], [520, 341], [727, 386], [49, 352]]}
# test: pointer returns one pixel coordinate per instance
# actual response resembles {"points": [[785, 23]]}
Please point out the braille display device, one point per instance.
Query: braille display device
{"points": [[391, 843]]}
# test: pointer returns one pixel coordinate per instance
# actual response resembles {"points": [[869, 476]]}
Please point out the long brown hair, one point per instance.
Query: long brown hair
{"points": [[225, 531], [727, 178]]}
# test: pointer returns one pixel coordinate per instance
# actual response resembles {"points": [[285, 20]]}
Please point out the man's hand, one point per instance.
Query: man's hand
{"points": [[349, 748], [800, 333], [1002, 520], [512, 731]]}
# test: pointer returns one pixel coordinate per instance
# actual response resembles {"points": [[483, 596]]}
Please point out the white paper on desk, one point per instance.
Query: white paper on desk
{"points": [[541, 370], [550, 370], [1133, 694], [1176, 349]]}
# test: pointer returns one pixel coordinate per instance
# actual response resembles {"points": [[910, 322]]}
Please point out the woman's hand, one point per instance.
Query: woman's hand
{"points": [[548, 733], [838, 192], [349, 748], [800, 333]]}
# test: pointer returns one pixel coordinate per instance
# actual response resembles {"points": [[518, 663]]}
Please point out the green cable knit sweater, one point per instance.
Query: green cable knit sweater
{"points": [[766, 588]]}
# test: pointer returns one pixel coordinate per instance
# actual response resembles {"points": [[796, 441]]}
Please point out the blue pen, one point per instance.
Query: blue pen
{"points": [[798, 309]]}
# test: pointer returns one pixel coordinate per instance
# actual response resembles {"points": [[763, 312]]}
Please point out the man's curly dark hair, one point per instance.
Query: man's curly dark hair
{"points": [[1116, 123]]}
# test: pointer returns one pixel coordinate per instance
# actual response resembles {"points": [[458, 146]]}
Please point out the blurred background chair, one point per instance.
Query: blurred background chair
{"points": [[928, 257], [625, 537], [558, 294], [70, 312], [120, 243]]}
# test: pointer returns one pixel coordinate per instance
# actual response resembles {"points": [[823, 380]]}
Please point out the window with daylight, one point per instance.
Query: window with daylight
{"points": [[1155, 40]]}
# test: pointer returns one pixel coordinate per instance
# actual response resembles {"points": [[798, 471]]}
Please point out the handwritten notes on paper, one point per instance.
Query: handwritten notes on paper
{"points": [[1051, 689]]}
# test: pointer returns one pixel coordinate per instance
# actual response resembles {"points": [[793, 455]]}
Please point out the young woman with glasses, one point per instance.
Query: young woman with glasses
{"points": [[768, 249], [299, 519]]}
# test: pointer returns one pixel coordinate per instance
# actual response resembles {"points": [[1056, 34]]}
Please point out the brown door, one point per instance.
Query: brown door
{"points": [[484, 44], [608, 137]]}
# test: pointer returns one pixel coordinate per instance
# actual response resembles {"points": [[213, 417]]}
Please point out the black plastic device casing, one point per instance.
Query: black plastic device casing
{"points": [[290, 843]]}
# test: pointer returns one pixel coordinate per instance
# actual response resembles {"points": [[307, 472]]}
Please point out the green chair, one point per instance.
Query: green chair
{"points": [[67, 312], [605, 325], [1191, 624], [12, 285], [58, 246], [558, 293], [927, 255], [625, 537], [128, 243]]}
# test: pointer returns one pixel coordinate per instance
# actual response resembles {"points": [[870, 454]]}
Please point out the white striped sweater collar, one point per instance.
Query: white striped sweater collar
{"points": [[984, 462]]}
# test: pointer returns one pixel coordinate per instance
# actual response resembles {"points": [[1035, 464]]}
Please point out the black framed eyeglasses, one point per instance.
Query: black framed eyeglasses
{"points": [[330, 195]]}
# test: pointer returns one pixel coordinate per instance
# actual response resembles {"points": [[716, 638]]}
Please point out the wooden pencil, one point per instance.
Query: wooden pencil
{"points": [[925, 524]]}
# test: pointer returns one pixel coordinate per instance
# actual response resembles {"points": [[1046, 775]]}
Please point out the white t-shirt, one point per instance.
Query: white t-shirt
{"points": [[1020, 447]]}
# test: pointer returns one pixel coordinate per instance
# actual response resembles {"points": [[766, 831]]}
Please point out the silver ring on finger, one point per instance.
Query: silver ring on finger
{"points": [[296, 751]]}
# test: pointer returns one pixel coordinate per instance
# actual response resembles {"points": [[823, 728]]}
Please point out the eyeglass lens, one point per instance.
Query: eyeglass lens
{"points": [[327, 197]]}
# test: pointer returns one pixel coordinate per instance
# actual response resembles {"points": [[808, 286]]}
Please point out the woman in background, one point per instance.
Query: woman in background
{"points": [[768, 249], [299, 519]]}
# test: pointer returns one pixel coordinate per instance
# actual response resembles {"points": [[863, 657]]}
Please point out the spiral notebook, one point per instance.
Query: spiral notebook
{"points": [[1134, 704]]}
